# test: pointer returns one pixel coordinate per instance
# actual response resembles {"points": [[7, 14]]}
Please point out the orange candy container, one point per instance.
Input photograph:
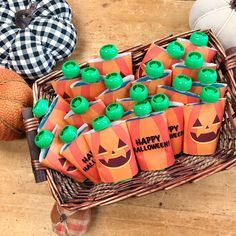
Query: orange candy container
{"points": [[194, 62], [184, 97], [208, 53], [87, 90], [91, 85], [79, 154], [62, 86], [180, 68], [197, 87], [55, 115], [122, 91], [202, 127], [113, 152], [96, 108], [169, 57], [151, 142], [127, 103], [51, 158], [151, 84], [128, 115], [71, 74], [175, 118], [111, 61]]}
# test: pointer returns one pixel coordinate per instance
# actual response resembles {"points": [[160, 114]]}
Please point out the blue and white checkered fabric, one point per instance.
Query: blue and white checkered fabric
{"points": [[50, 37]]}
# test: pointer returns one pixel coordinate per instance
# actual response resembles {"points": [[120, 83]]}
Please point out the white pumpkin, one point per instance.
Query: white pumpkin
{"points": [[218, 15]]}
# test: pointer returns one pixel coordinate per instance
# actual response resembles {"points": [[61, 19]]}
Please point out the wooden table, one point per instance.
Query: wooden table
{"points": [[205, 208]]}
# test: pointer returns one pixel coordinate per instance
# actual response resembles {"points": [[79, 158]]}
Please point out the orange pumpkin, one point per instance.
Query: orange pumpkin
{"points": [[14, 95], [202, 127], [113, 153], [151, 142]]}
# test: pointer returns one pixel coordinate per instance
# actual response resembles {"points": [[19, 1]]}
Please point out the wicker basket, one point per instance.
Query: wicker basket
{"points": [[73, 195]]}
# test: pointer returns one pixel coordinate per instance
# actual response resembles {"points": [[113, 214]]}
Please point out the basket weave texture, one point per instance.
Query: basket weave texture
{"points": [[80, 196]]}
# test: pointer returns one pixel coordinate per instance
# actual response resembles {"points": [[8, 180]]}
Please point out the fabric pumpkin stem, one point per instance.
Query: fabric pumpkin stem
{"points": [[233, 4], [24, 17]]}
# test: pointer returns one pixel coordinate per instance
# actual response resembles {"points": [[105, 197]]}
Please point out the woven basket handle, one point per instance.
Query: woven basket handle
{"points": [[228, 66], [230, 60], [31, 125]]}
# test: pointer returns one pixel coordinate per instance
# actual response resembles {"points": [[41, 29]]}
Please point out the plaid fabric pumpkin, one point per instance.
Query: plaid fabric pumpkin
{"points": [[34, 35], [70, 223]]}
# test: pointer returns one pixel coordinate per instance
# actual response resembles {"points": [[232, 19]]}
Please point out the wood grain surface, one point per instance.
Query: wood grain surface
{"points": [[204, 208]]}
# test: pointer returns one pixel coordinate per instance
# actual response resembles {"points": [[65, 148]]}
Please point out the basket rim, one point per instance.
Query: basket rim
{"points": [[227, 64]]}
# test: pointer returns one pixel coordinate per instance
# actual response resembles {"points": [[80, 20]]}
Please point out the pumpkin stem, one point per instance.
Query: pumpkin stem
{"points": [[24, 17], [233, 4]]}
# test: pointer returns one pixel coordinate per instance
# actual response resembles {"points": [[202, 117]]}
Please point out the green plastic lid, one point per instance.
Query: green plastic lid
{"points": [[182, 82], [113, 80], [100, 123], [207, 76], [199, 39], [160, 102], [43, 139], [194, 60], [176, 50], [108, 52], [114, 111], [71, 69], [40, 108], [68, 134], [138, 92], [154, 69], [79, 105], [142, 108], [90, 74], [210, 94]]}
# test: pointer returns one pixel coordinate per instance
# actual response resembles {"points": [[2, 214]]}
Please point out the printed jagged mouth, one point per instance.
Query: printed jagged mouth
{"points": [[118, 161], [204, 138]]}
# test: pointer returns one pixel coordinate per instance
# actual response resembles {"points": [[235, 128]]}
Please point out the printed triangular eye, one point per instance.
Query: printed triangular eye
{"points": [[101, 149], [216, 120], [197, 123], [62, 161], [71, 168], [121, 144]]}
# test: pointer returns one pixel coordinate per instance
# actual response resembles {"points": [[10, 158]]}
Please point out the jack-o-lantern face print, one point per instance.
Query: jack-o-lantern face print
{"points": [[55, 161], [202, 123], [205, 130], [113, 153], [114, 158]]}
